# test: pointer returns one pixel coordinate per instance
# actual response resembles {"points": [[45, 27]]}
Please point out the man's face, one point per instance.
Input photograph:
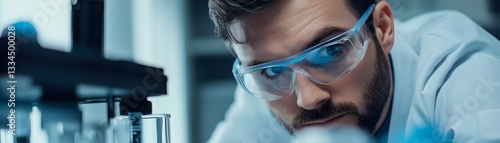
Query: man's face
{"points": [[288, 27]]}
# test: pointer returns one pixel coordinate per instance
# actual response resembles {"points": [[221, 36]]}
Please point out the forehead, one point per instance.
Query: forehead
{"points": [[285, 27]]}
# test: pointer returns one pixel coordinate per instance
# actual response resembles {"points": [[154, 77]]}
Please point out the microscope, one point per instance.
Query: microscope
{"points": [[51, 84]]}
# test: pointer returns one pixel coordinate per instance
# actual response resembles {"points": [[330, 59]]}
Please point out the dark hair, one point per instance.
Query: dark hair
{"points": [[224, 12]]}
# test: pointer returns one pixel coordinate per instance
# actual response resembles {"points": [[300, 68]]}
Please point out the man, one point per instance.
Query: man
{"points": [[331, 63]]}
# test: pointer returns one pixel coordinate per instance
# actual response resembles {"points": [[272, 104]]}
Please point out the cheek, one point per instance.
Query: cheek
{"points": [[285, 108], [351, 87]]}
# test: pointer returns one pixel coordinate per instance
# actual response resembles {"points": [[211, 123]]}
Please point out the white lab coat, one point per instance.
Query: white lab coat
{"points": [[447, 88]]}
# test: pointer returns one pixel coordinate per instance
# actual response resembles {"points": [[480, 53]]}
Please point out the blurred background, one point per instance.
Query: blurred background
{"points": [[177, 35]]}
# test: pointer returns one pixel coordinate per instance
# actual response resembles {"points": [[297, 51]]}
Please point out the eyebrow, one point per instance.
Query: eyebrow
{"points": [[323, 35]]}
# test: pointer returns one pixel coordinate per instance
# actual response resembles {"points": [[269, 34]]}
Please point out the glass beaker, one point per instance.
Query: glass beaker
{"points": [[137, 128]]}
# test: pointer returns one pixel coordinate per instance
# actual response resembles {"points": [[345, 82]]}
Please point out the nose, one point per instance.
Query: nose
{"points": [[310, 95]]}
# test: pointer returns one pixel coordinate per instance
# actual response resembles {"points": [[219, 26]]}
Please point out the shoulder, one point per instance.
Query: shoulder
{"points": [[454, 54], [458, 72], [447, 41]]}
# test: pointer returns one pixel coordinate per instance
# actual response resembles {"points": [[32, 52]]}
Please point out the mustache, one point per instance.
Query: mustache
{"points": [[326, 111]]}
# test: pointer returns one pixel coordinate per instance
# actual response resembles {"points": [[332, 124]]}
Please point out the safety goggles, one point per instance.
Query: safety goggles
{"points": [[323, 63]]}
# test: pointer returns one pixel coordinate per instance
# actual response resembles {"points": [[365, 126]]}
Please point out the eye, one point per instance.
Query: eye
{"points": [[270, 72], [330, 51], [325, 54]]}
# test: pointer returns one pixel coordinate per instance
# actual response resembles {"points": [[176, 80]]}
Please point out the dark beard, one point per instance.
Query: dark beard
{"points": [[375, 95]]}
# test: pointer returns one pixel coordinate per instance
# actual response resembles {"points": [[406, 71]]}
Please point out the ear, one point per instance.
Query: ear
{"points": [[383, 22]]}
